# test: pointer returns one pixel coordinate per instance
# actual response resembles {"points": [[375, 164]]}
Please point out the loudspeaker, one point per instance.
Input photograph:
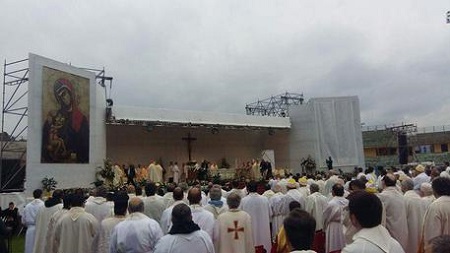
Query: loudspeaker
{"points": [[402, 148]]}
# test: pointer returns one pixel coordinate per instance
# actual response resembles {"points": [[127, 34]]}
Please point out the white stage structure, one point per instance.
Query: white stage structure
{"points": [[321, 128]]}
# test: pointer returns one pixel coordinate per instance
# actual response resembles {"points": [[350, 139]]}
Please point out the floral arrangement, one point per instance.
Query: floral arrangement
{"points": [[309, 164], [49, 184], [105, 174]]}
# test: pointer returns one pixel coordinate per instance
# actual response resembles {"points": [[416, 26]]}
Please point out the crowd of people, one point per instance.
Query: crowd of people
{"points": [[405, 210]]}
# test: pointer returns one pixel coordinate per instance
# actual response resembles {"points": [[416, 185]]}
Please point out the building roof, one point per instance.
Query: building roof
{"points": [[130, 115]]}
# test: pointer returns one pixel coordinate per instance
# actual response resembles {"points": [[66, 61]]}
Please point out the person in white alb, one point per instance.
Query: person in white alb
{"points": [[333, 220], [437, 218], [76, 230], [166, 217], [184, 235], [29, 219], [107, 225], [395, 207], [371, 237], [153, 204], [258, 208], [137, 233], [204, 219]]}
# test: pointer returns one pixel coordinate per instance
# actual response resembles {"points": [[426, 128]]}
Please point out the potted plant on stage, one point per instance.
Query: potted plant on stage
{"points": [[105, 175], [48, 185]]}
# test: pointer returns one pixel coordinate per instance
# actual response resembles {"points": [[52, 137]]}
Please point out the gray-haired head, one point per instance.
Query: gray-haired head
{"points": [[233, 200], [407, 185], [215, 193]]}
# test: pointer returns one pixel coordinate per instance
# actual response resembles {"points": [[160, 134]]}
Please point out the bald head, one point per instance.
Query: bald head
{"points": [[136, 205], [194, 196]]}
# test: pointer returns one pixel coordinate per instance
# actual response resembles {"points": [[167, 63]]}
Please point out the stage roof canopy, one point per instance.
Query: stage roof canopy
{"points": [[129, 115]]}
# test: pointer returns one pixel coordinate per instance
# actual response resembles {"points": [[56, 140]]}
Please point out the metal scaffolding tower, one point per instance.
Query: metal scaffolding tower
{"points": [[274, 106]]}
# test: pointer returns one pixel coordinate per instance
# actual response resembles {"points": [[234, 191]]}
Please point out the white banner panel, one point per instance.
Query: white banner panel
{"points": [[66, 124]]}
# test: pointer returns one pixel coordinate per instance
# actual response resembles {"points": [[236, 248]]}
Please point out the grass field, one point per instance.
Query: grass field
{"points": [[18, 243]]}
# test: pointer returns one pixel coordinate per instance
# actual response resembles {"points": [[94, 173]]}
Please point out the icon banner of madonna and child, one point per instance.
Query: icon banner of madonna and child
{"points": [[65, 112]]}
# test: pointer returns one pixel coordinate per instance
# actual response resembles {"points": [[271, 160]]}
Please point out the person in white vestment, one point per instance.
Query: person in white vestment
{"points": [[215, 204], [155, 172], [43, 217], [108, 224], [168, 196], [300, 228], [137, 233], [166, 216], [258, 208], [276, 203], [204, 219], [437, 218], [29, 219], [333, 220], [291, 195], [315, 205], [153, 204], [185, 235], [395, 208], [99, 206], [419, 176], [54, 219], [233, 229], [76, 230], [415, 211], [176, 173], [371, 237], [303, 186]]}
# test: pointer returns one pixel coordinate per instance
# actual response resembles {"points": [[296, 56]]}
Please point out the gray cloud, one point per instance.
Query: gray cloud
{"points": [[220, 55]]}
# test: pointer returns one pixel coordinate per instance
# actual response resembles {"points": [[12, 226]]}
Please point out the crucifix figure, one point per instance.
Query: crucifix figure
{"points": [[236, 230], [189, 139]]}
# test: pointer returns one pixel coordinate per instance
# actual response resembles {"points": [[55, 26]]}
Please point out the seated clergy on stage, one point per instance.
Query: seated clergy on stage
{"points": [[137, 233], [233, 229], [371, 237], [300, 228], [184, 235]]}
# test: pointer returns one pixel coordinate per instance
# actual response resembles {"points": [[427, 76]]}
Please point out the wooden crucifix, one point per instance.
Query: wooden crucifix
{"points": [[189, 139]]}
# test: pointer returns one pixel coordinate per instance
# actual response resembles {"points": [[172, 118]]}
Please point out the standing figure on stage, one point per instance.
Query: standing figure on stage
{"points": [[255, 170], [131, 174], [263, 168], [176, 173], [169, 173], [203, 173], [329, 162]]}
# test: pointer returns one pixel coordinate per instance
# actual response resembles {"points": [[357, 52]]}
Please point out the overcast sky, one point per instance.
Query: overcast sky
{"points": [[220, 55]]}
